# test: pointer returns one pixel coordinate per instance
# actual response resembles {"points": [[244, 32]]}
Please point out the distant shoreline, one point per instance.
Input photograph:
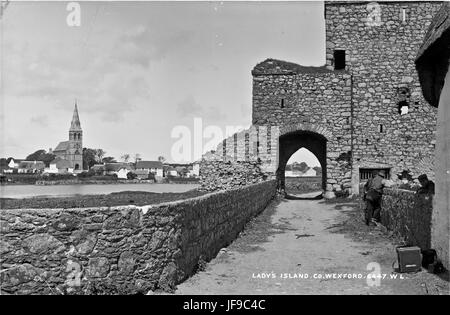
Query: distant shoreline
{"points": [[97, 182], [123, 198]]}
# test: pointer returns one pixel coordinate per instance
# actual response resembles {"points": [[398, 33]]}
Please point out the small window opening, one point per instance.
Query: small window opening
{"points": [[404, 15], [403, 107], [339, 60], [282, 103], [380, 128], [403, 97]]}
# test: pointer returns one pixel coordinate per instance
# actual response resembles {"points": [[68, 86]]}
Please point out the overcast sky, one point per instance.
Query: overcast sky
{"points": [[138, 69]]}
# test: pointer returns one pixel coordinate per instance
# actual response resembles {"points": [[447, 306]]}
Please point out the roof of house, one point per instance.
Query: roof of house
{"points": [[274, 66], [432, 60], [98, 167], [115, 167], [17, 160], [149, 164], [32, 165], [62, 146]]}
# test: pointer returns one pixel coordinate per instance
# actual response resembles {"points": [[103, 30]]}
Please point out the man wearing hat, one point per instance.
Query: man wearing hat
{"points": [[427, 186], [373, 191]]}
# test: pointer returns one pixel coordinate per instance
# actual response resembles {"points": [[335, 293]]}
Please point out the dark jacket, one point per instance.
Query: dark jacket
{"points": [[374, 188], [427, 189]]}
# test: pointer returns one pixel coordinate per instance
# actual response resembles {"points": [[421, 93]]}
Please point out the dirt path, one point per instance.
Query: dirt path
{"points": [[298, 238]]}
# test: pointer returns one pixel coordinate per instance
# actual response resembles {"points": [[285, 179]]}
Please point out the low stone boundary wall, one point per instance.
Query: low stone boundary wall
{"points": [[125, 249], [302, 185], [407, 215]]}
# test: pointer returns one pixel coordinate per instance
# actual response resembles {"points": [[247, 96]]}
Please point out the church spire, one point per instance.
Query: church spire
{"points": [[75, 125]]}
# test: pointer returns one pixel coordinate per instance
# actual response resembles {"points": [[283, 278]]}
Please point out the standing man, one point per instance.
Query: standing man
{"points": [[427, 186], [373, 191]]}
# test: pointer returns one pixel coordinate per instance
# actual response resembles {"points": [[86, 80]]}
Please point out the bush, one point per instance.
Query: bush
{"points": [[52, 177], [87, 174], [131, 175]]}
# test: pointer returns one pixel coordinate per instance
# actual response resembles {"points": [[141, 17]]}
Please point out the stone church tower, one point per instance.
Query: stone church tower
{"points": [[75, 147]]}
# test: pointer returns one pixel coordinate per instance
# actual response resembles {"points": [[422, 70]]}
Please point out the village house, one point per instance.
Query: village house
{"points": [[194, 171], [170, 171], [59, 166], [142, 174], [31, 167], [14, 163], [121, 170], [154, 167], [98, 169]]}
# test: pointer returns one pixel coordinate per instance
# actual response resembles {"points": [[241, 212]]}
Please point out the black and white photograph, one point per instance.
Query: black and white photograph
{"points": [[219, 155]]}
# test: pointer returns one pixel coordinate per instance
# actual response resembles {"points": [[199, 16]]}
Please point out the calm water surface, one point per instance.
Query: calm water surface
{"points": [[26, 191]]}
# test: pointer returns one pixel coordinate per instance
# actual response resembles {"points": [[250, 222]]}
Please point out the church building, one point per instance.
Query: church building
{"points": [[70, 153]]}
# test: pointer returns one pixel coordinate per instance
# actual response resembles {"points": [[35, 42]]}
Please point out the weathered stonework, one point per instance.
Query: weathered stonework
{"points": [[381, 60], [432, 64], [408, 215], [316, 114], [348, 114], [125, 249]]}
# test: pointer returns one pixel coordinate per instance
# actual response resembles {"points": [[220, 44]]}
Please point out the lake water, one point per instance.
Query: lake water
{"points": [[26, 191]]}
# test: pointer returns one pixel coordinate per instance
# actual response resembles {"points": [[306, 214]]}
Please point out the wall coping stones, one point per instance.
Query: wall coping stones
{"points": [[280, 67]]}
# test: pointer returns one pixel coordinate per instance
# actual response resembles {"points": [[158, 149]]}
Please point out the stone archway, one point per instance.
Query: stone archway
{"points": [[291, 141]]}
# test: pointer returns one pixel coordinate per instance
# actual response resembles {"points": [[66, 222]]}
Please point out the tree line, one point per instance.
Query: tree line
{"points": [[90, 157]]}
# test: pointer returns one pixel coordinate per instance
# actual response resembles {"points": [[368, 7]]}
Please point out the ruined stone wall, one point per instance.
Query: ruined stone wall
{"points": [[224, 175], [122, 249], [246, 157], [380, 57], [408, 215], [308, 99]]}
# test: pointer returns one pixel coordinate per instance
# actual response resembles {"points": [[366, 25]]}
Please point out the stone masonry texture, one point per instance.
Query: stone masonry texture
{"points": [[353, 110], [124, 249], [408, 215]]}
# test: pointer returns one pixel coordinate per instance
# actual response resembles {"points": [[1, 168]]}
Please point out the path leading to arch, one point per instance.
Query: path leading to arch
{"points": [[293, 238]]}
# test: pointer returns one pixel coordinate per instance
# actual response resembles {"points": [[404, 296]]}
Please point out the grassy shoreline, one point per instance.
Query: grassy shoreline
{"points": [[138, 198]]}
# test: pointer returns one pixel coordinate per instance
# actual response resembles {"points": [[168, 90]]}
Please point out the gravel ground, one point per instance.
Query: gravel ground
{"points": [[309, 237]]}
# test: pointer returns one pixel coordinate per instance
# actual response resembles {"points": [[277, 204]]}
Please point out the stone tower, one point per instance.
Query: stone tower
{"points": [[362, 111], [75, 147], [376, 43]]}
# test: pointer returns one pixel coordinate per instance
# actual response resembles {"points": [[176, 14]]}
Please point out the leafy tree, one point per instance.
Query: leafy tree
{"points": [[161, 158], [125, 157], [109, 159], [89, 158], [100, 153], [41, 155], [131, 175], [36, 155], [302, 167]]}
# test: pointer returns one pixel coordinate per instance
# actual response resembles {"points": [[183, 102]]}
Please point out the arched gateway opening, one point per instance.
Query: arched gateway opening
{"points": [[292, 142]]}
